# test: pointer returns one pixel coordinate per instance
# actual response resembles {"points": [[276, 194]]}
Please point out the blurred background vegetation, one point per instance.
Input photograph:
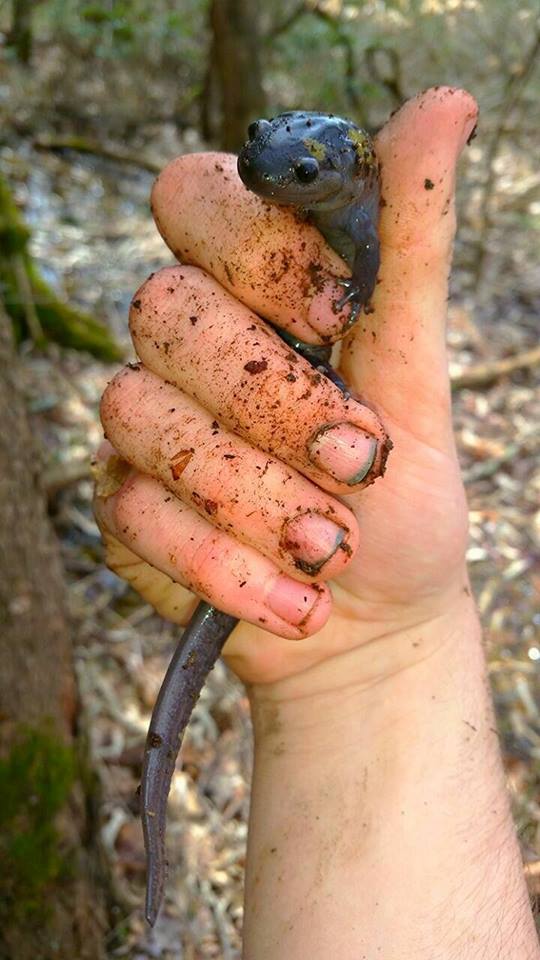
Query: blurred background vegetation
{"points": [[95, 97]]}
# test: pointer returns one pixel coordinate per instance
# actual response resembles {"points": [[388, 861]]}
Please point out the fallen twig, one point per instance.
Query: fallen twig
{"points": [[488, 468], [60, 476], [82, 145], [482, 374]]}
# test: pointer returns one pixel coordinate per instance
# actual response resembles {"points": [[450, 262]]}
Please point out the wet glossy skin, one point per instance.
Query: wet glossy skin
{"points": [[327, 167], [193, 659]]}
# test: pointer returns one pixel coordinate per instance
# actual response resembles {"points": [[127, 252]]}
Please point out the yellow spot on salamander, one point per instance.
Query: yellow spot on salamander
{"points": [[316, 148], [363, 146]]}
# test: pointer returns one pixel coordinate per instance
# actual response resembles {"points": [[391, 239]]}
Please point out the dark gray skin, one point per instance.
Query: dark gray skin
{"points": [[334, 178], [194, 657]]}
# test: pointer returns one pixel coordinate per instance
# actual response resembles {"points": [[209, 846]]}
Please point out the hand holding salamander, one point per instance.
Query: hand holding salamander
{"points": [[370, 691], [220, 427], [327, 167]]}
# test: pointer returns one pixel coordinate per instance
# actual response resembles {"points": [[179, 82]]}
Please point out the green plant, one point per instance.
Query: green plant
{"points": [[35, 782]]}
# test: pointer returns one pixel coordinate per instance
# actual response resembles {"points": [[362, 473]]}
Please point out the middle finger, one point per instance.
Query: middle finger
{"points": [[189, 331]]}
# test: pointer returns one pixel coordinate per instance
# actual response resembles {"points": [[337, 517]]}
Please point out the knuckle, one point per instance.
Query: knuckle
{"points": [[144, 298], [126, 509], [124, 400], [153, 297], [202, 564], [115, 396]]}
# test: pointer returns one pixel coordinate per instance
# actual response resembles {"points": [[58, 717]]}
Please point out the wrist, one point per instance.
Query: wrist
{"points": [[390, 784], [387, 670]]}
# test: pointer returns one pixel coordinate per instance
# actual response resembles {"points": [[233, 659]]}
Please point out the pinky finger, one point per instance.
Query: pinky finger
{"points": [[184, 550], [171, 600]]}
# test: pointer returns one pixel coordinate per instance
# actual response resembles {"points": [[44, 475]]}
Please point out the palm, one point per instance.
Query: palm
{"points": [[412, 527]]}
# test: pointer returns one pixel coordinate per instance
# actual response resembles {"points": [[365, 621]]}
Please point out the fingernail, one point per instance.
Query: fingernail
{"points": [[105, 450], [110, 472], [292, 601], [344, 451], [311, 539], [469, 130]]}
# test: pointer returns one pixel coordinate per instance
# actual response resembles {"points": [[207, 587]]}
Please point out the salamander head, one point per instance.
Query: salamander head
{"points": [[310, 160]]}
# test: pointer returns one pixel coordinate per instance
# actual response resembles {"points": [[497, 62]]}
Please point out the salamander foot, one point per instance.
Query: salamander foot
{"points": [[353, 296]]}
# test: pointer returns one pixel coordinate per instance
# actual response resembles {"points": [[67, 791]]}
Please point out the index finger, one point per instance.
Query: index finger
{"points": [[265, 255]]}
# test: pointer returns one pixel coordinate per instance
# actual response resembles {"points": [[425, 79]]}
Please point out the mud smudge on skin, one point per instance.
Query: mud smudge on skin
{"points": [[256, 366]]}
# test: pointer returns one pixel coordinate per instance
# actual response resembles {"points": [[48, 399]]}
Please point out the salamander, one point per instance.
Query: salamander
{"points": [[325, 167]]}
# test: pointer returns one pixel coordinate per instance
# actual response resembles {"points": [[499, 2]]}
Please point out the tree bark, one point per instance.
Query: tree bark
{"points": [[20, 34], [50, 904], [236, 58], [33, 307]]}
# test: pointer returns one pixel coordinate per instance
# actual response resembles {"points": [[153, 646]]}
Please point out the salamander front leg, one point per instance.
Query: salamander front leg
{"points": [[360, 286]]}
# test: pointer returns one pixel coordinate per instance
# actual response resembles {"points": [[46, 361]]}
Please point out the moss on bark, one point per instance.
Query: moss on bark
{"points": [[35, 310], [35, 784]]}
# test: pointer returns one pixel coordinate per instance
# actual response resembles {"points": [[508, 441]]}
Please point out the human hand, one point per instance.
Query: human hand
{"points": [[410, 527]]}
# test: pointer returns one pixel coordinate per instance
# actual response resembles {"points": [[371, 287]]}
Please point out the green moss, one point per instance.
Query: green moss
{"points": [[58, 321], [35, 782]]}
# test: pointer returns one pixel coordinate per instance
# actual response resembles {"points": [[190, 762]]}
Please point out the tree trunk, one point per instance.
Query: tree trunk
{"points": [[236, 57], [50, 905], [20, 34]]}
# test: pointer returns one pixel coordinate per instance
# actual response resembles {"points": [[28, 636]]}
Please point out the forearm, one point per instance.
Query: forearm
{"points": [[380, 825]]}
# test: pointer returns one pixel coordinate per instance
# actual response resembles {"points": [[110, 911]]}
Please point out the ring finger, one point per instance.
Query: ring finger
{"points": [[174, 540], [239, 489]]}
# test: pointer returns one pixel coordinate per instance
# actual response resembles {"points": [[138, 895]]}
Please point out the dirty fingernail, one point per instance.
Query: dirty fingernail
{"points": [[311, 539], [469, 129], [344, 451], [292, 601]]}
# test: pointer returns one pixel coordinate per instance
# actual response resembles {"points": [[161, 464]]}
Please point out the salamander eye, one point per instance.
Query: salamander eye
{"points": [[257, 127], [306, 170]]}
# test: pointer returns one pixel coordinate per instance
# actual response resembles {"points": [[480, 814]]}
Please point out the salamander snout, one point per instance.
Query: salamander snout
{"points": [[248, 170]]}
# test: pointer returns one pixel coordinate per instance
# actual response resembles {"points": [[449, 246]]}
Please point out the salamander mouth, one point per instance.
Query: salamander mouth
{"points": [[284, 188], [292, 194]]}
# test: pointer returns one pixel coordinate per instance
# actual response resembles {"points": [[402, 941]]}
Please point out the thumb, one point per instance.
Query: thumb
{"points": [[396, 356]]}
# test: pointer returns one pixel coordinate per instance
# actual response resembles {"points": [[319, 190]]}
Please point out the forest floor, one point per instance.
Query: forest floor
{"points": [[94, 238]]}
